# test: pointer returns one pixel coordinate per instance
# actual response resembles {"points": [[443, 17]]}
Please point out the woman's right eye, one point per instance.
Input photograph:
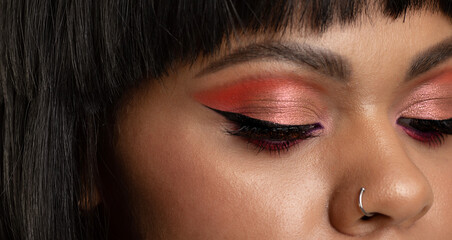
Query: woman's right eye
{"points": [[267, 135], [431, 132]]}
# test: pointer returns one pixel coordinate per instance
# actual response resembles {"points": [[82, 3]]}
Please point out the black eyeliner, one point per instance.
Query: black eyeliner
{"points": [[260, 129], [423, 125], [249, 121]]}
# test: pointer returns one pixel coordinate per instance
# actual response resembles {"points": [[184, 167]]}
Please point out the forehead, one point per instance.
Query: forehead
{"points": [[394, 41], [379, 50], [370, 38], [193, 31], [318, 15], [376, 49], [371, 29]]}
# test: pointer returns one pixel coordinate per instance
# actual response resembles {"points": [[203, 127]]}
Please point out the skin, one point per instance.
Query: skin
{"points": [[185, 178]]}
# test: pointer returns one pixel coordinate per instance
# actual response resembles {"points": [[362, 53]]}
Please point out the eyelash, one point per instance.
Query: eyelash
{"points": [[431, 132], [275, 137], [267, 135]]}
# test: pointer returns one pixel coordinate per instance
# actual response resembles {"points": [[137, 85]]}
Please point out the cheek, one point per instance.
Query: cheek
{"points": [[436, 165], [174, 182], [440, 213], [182, 181]]}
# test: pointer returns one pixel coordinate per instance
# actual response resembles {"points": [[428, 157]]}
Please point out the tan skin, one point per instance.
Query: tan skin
{"points": [[187, 179]]}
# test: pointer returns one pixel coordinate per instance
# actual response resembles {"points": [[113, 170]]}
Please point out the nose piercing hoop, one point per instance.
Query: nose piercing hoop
{"points": [[361, 204]]}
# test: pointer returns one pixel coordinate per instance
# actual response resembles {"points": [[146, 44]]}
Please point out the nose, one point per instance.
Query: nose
{"points": [[396, 194]]}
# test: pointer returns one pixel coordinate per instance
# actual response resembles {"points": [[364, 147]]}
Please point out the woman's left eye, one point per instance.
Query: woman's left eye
{"points": [[432, 132], [267, 135]]}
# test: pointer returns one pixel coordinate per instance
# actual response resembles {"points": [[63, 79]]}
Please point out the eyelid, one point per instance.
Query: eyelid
{"points": [[240, 118], [444, 126], [279, 100], [431, 132], [266, 135], [429, 109], [428, 99]]}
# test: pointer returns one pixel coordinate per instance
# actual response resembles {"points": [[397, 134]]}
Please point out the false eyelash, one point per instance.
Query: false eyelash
{"points": [[267, 135], [432, 132], [273, 139], [274, 133]]}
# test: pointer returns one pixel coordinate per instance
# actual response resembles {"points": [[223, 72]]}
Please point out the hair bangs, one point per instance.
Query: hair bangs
{"points": [[183, 30]]}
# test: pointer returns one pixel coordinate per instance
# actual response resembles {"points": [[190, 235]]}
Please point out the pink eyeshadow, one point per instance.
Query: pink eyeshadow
{"points": [[277, 100], [431, 100]]}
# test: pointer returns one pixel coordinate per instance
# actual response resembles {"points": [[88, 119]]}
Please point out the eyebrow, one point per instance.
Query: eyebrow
{"points": [[431, 58], [322, 60], [318, 59]]}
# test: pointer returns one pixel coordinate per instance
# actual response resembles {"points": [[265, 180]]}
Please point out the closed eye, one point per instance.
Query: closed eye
{"points": [[268, 135], [431, 132]]}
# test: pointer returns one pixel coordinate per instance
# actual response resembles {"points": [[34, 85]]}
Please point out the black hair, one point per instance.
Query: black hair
{"points": [[65, 64]]}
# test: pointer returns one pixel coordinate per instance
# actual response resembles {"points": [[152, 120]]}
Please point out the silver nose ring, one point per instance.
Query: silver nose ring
{"points": [[361, 204]]}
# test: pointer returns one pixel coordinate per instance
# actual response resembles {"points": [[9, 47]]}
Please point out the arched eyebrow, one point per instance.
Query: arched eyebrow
{"points": [[322, 60], [430, 58], [318, 59]]}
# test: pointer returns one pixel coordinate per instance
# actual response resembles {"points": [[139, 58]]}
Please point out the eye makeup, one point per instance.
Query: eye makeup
{"points": [[427, 116], [268, 135], [275, 100], [272, 114], [432, 132]]}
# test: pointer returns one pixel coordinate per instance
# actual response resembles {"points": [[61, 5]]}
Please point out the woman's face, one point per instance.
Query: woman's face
{"points": [[275, 137]]}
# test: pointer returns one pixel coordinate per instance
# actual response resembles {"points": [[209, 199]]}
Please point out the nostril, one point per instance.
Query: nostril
{"points": [[376, 221], [370, 216], [366, 218]]}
